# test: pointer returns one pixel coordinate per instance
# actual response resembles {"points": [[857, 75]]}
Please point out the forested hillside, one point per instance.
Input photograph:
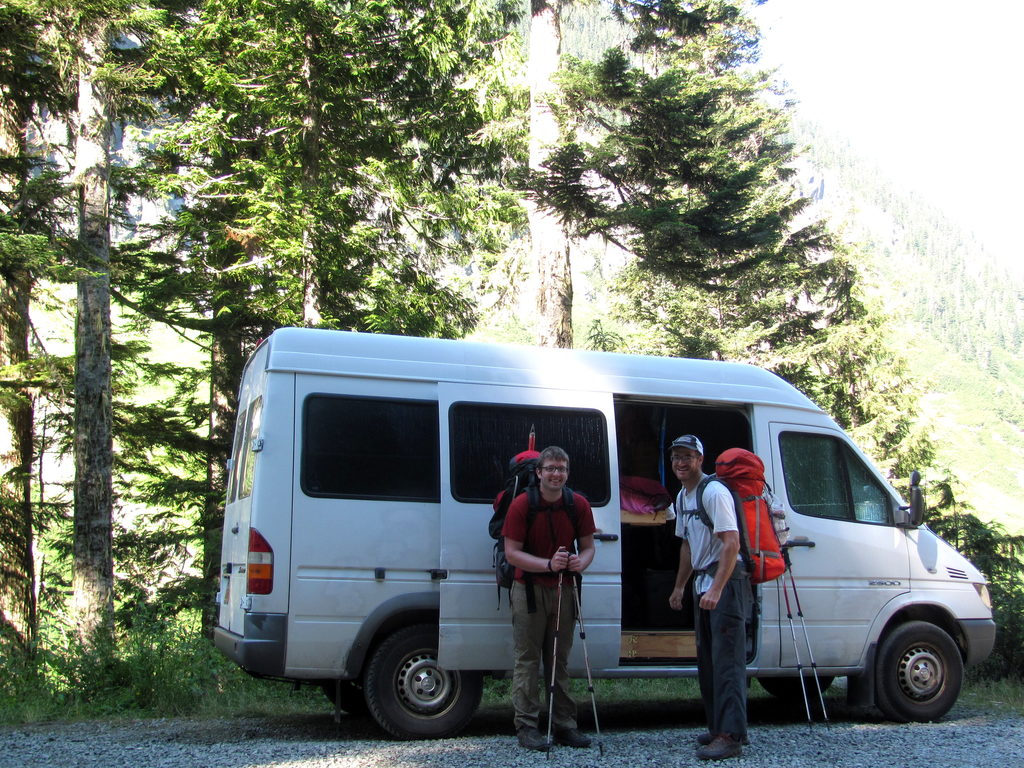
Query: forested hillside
{"points": [[963, 311]]}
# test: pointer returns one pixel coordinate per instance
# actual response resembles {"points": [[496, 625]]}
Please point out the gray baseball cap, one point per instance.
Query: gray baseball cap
{"points": [[688, 441]]}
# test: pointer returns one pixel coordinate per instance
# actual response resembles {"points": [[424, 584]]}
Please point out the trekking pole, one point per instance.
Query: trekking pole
{"points": [[807, 641], [554, 662], [586, 663], [796, 647]]}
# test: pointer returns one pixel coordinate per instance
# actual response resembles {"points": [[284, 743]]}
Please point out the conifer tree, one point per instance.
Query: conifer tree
{"points": [[330, 165], [32, 201], [682, 163], [668, 149], [97, 40]]}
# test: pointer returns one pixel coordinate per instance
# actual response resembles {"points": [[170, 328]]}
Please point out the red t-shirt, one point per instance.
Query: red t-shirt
{"points": [[539, 541]]}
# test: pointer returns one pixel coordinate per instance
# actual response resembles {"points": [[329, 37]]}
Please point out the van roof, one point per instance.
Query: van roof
{"points": [[317, 351]]}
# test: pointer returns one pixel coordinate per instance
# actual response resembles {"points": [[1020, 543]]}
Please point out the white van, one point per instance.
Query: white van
{"points": [[356, 554]]}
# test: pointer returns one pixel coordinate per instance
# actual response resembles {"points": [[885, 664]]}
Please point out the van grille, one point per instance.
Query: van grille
{"points": [[956, 573]]}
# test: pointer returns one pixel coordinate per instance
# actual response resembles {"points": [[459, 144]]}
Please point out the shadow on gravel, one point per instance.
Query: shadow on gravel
{"points": [[496, 720]]}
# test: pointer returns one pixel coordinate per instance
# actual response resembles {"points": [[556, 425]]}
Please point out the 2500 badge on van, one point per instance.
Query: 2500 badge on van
{"points": [[356, 554]]}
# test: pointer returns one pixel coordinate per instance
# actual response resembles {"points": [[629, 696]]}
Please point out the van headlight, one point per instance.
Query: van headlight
{"points": [[986, 598]]}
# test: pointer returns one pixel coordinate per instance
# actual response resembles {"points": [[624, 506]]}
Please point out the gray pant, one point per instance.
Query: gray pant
{"points": [[721, 657], [534, 635]]}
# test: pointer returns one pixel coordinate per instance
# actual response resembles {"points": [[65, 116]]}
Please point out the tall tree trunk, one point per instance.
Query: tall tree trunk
{"points": [[311, 134], [549, 242], [17, 563], [93, 579]]}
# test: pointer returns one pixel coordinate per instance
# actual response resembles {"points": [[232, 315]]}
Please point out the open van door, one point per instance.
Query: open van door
{"points": [[482, 428], [848, 558]]}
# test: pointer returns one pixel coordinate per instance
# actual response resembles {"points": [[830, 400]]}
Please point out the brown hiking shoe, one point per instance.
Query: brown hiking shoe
{"points": [[530, 738], [570, 737], [706, 738], [720, 748]]}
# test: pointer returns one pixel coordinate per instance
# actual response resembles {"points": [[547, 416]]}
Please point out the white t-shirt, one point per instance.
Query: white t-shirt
{"points": [[705, 546]]}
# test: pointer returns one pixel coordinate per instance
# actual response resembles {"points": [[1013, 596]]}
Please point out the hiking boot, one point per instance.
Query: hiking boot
{"points": [[530, 738], [706, 738], [570, 737], [720, 748]]}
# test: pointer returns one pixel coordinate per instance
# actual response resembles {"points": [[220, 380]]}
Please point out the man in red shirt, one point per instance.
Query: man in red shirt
{"points": [[541, 548]]}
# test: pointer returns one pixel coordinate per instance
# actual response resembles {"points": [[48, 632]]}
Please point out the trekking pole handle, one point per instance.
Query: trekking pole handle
{"points": [[558, 570]]}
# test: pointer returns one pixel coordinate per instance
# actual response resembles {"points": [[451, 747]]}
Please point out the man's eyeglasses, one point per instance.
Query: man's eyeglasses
{"points": [[555, 470], [677, 459]]}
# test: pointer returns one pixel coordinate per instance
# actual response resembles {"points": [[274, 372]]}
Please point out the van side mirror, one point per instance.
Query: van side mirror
{"points": [[912, 515], [916, 500]]}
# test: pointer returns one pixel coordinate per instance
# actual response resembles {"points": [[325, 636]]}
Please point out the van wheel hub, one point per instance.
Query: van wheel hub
{"points": [[422, 686], [920, 673]]}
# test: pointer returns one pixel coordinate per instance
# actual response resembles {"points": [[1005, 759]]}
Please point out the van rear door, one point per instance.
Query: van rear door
{"points": [[848, 559], [237, 513], [482, 428]]}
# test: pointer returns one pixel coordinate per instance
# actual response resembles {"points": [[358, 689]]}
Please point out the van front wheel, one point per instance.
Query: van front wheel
{"points": [[919, 673], [410, 696]]}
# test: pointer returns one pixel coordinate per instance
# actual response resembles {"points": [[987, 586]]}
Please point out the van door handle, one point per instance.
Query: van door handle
{"points": [[799, 541], [606, 537]]}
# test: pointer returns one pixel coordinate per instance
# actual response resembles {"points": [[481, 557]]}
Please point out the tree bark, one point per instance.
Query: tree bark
{"points": [[549, 243], [312, 125], [93, 578]]}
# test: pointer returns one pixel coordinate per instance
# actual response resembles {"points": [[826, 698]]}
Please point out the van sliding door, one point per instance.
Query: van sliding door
{"points": [[482, 428]]}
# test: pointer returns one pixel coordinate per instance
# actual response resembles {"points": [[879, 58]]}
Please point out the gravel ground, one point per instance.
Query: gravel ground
{"points": [[655, 736]]}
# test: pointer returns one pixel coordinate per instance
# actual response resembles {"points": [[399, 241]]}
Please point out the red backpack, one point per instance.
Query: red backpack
{"points": [[742, 472]]}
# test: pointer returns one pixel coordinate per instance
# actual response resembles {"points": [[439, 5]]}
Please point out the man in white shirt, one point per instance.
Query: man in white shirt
{"points": [[722, 596]]}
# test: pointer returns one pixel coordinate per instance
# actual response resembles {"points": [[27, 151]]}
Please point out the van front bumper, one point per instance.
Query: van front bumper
{"points": [[980, 635], [259, 650]]}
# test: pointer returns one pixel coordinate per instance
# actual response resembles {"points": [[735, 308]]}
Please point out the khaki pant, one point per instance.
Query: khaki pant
{"points": [[534, 634]]}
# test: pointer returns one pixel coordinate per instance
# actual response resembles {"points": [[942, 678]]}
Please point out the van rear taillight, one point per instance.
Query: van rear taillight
{"points": [[260, 565]]}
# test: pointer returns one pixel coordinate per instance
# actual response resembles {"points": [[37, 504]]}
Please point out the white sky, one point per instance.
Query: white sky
{"points": [[930, 89]]}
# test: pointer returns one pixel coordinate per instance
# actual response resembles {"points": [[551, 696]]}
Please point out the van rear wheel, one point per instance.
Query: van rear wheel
{"points": [[410, 696], [919, 673]]}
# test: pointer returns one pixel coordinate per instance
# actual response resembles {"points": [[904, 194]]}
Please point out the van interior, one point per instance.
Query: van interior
{"points": [[653, 633]]}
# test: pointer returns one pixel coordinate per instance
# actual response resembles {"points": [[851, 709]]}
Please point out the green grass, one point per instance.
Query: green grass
{"points": [[999, 695], [497, 692]]}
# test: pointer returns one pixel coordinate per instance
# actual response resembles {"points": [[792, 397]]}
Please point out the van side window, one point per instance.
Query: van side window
{"points": [[485, 436], [370, 448], [249, 462], [236, 454], [244, 460], [825, 478]]}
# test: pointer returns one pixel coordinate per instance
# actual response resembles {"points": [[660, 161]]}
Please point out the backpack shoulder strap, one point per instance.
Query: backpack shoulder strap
{"points": [[534, 500], [701, 511], [569, 503]]}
